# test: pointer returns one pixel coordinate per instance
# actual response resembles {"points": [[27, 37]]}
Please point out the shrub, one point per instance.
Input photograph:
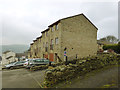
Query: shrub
{"points": [[115, 47]]}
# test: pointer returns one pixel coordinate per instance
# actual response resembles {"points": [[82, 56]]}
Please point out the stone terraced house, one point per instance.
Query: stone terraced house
{"points": [[75, 35], [8, 57]]}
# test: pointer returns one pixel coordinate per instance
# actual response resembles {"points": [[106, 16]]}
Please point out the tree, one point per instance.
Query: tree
{"points": [[110, 38], [119, 43], [103, 39]]}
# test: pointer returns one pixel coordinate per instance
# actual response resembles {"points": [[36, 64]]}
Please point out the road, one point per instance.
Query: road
{"points": [[22, 78]]}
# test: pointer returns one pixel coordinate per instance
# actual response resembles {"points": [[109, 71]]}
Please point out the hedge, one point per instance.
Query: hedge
{"points": [[115, 47]]}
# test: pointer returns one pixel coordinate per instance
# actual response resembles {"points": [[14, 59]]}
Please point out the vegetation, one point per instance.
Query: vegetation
{"points": [[110, 38], [115, 47]]}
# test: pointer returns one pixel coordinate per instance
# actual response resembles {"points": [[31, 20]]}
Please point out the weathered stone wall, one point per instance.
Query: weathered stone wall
{"points": [[82, 66], [52, 35], [6, 59], [79, 36], [76, 33], [41, 67]]}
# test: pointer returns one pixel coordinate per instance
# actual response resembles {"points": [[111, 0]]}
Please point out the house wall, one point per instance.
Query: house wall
{"points": [[100, 47], [39, 48], [56, 47], [34, 50], [31, 51], [47, 39], [5, 56], [79, 36]]}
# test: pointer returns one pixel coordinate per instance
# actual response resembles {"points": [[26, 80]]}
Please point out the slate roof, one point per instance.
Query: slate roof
{"points": [[71, 17], [6, 52]]}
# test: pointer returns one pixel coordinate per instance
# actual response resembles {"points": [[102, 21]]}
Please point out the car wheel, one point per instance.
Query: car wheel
{"points": [[11, 68]]}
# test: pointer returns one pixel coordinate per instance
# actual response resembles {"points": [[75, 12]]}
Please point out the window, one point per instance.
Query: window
{"points": [[51, 41], [57, 27], [56, 40], [43, 44], [51, 45], [35, 54], [46, 48], [52, 29]]}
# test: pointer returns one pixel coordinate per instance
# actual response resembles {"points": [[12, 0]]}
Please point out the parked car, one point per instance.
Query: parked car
{"points": [[26, 63], [37, 62], [15, 64]]}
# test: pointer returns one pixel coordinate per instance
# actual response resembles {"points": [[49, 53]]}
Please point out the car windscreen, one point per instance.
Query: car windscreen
{"points": [[39, 60], [46, 60], [20, 62]]}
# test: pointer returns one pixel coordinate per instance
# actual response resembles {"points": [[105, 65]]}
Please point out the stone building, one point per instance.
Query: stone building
{"points": [[100, 47], [75, 36], [8, 57]]}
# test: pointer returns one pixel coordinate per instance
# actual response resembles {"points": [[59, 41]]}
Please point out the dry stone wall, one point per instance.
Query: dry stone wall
{"points": [[82, 66]]}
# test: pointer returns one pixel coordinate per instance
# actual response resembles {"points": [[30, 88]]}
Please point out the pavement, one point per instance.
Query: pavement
{"points": [[22, 78]]}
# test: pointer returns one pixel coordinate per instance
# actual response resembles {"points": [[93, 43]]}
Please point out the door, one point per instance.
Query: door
{"points": [[51, 57]]}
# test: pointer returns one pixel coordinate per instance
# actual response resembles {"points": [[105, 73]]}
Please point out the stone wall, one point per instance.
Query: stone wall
{"points": [[79, 36], [75, 33], [82, 66], [41, 67]]}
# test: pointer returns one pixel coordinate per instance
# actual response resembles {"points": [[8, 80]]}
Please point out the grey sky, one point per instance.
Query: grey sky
{"points": [[119, 20], [23, 20]]}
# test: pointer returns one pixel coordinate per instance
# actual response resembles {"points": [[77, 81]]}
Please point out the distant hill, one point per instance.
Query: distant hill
{"points": [[14, 48]]}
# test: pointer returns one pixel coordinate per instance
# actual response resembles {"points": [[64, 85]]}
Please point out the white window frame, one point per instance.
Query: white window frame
{"points": [[56, 26], [56, 40], [52, 42]]}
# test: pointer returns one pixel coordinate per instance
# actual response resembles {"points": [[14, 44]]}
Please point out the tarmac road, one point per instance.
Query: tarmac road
{"points": [[22, 78]]}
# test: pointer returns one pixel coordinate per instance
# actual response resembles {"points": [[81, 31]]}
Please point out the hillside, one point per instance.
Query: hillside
{"points": [[14, 48]]}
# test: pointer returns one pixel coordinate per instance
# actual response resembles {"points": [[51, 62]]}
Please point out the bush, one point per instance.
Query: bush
{"points": [[115, 47]]}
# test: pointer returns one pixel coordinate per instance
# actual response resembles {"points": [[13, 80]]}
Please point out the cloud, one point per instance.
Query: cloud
{"points": [[23, 20], [119, 20]]}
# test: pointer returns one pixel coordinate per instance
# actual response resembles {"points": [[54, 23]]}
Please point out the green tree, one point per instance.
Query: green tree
{"points": [[110, 38]]}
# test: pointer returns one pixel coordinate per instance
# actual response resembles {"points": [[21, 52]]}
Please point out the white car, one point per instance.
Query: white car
{"points": [[26, 63], [15, 64]]}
